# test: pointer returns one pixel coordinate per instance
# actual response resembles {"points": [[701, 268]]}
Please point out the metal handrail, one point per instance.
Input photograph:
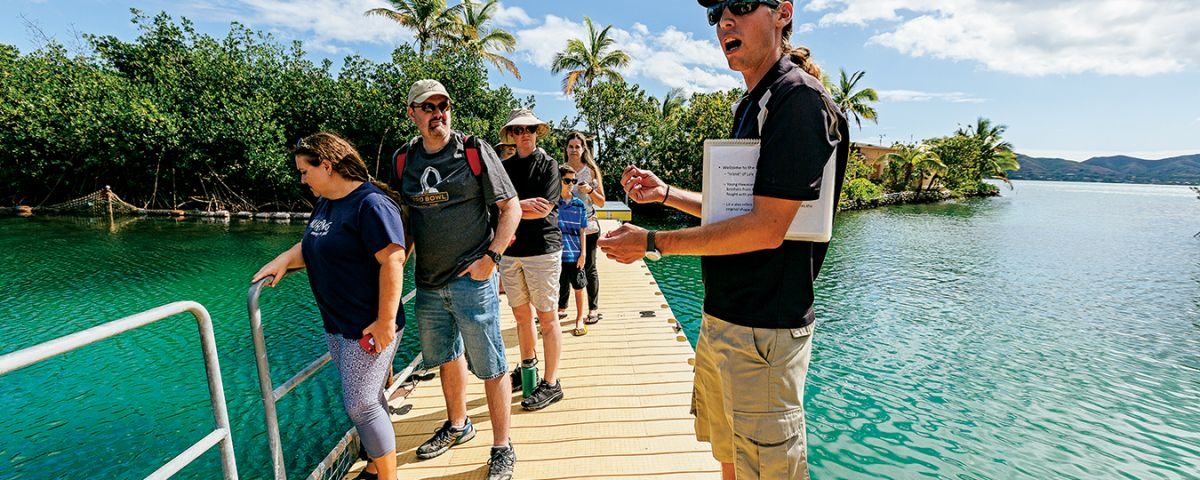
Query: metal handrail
{"points": [[271, 394], [222, 435]]}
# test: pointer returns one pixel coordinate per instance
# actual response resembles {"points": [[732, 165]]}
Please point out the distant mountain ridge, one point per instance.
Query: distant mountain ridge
{"points": [[1182, 170]]}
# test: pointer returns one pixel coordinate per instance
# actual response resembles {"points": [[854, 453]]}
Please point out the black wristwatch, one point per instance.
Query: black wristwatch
{"points": [[496, 257], [652, 252]]}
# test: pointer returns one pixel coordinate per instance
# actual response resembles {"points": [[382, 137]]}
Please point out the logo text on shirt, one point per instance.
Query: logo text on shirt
{"points": [[320, 227], [429, 193]]}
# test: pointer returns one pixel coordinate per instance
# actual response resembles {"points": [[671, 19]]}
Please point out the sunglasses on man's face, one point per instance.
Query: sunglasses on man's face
{"points": [[431, 107], [521, 130], [568, 181], [737, 7]]}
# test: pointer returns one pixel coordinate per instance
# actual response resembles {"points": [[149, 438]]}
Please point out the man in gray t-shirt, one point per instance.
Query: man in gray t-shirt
{"points": [[446, 201], [447, 194]]}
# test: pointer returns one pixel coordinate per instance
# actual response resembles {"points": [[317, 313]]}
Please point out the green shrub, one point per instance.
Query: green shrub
{"points": [[862, 189]]}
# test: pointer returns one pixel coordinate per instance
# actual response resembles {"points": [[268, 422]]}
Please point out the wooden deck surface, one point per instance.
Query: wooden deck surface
{"points": [[625, 413]]}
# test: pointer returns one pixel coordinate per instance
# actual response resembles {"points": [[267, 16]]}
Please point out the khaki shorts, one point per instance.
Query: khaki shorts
{"points": [[532, 280], [748, 397]]}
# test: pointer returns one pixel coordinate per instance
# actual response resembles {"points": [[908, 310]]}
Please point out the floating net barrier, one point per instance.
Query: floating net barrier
{"points": [[105, 202], [100, 202]]}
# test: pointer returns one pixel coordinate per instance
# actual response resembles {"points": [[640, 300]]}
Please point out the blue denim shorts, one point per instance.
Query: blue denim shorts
{"points": [[464, 312]]}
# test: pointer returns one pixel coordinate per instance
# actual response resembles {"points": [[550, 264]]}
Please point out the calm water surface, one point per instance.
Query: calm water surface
{"points": [[1050, 333]]}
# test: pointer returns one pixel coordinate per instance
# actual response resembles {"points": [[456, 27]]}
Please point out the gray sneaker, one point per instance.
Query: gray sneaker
{"points": [[543, 396], [444, 438], [501, 463]]}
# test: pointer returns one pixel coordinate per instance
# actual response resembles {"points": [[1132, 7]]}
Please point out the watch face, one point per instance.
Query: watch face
{"points": [[653, 255]]}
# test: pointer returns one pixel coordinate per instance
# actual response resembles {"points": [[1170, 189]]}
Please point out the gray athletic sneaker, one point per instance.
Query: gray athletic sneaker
{"points": [[444, 438], [543, 396], [501, 463]]}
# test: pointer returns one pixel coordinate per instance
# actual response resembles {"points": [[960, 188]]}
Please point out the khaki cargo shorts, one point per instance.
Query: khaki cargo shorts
{"points": [[532, 280], [748, 397]]}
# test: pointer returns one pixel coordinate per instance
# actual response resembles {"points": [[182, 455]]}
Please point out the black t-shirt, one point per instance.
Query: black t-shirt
{"points": [[536, 176], [800, 131]]}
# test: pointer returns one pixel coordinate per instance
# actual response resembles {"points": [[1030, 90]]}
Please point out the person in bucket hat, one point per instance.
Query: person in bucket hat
{"points": [[756, 333], [533, 263]]}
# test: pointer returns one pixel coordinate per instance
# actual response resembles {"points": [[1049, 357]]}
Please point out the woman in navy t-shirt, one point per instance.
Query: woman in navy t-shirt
{"points": [[353, 249]]}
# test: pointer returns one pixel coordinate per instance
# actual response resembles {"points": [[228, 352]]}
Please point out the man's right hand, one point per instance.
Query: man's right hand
{"points": [[643, 186], [480, 270]]}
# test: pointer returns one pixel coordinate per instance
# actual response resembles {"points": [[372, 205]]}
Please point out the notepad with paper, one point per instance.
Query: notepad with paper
{"points": [[730, 167]]}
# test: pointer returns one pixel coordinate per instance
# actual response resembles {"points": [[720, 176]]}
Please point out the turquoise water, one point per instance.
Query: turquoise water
{"points": [[1050, 333]]}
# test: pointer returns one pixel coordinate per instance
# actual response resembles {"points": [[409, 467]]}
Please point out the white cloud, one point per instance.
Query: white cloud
{"points": [[326, 25], [916, 96], [556, 94], [1033, 37], [511, 16], [538, 45], [671, 57]]}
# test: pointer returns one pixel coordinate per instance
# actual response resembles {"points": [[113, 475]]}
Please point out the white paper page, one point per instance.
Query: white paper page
{"points": [[730, 167]]}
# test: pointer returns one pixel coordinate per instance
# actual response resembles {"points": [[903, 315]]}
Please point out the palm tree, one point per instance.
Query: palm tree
{"points": [[432, 21], [996, 156], [918, 159], [853, 103], [589, 61], [488, 42], [929, 164], [672, 103]]}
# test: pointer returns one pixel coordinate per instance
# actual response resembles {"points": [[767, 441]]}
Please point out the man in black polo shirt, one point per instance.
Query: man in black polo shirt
{"points": [[755, 339]]}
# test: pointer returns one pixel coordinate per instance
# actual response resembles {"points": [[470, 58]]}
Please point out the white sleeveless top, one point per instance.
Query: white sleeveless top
{"points": [[586, 175]]}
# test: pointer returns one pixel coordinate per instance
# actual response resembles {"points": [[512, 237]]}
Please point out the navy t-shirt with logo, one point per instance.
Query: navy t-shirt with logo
{"points": [[339, 247], [773, 288]]}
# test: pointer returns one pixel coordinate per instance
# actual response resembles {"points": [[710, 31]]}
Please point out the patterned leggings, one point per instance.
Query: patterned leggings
{"points": [[363, 375]]}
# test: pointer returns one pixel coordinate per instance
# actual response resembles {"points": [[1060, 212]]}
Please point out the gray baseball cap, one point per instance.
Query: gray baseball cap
{"points": [[423, 89]]}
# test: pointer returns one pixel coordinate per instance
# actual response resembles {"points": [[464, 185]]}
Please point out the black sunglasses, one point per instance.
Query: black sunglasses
{"points": [[522, 129], [431, 107], [737, 7], [568, 181]]}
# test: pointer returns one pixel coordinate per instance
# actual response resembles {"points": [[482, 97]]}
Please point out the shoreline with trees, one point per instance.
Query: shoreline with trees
{"points": [[177, 119]]}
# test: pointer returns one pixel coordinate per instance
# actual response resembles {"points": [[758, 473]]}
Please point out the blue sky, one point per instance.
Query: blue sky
{"points": [[1071, 78]]}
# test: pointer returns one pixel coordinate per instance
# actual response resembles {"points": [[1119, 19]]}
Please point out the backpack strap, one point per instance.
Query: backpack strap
{"points": [[471, 146], [400, 158]]}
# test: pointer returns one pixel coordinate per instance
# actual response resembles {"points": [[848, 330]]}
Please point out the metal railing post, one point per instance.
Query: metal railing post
{"points": [[222, 435], [264, 378]]}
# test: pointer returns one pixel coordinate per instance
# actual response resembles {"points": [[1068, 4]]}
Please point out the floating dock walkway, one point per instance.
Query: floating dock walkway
{"points": [[625, 413]]}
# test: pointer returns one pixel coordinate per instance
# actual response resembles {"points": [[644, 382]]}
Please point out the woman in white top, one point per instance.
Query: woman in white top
{"points": [[590, 189]]}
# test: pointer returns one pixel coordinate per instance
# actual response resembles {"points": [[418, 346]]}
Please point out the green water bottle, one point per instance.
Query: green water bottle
{"points": [[529, 377]]}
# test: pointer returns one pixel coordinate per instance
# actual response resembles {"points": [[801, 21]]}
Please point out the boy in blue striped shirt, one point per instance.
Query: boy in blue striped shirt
{"points": [[572, 219]]}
